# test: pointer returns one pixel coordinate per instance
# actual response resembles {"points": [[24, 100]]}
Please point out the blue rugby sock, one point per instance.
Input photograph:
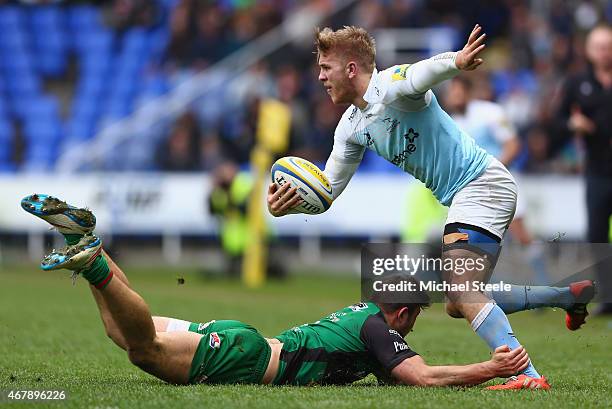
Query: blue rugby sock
{"points": [[527, 297], [491, 324]]}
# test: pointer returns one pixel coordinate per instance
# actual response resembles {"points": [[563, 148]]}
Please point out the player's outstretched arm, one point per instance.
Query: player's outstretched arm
{"points": [[425, 74], [503, 363]]}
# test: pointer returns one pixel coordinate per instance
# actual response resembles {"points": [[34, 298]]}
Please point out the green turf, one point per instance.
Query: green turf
{"points": [[51, 338]]}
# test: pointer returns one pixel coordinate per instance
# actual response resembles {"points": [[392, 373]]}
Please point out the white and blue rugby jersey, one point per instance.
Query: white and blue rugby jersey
{"points": [[487, 123], [404, 124]]}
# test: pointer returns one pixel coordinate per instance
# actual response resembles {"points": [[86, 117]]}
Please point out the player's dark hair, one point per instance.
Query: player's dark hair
{"points": [[390, 302]]}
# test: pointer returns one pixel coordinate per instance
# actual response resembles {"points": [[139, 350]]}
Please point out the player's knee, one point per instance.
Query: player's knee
{"points": [[141, 357]]}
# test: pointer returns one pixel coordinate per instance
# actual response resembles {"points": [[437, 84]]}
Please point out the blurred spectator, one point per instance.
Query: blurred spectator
{"points": [[229, 201], [181, 152], [211, 154], [485, 121], [532, 47], [179, 52], [123, 14], [585, 112]]}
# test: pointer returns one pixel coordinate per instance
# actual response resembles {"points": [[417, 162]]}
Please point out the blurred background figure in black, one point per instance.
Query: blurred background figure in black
{"points": [[586, 113]]}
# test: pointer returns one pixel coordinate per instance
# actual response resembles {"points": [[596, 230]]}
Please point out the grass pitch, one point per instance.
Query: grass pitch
{"points": [[51, 338]]}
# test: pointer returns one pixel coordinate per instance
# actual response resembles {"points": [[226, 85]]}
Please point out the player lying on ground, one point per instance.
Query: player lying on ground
{"points": [[341, 348], [338, 349], [395, 114]]}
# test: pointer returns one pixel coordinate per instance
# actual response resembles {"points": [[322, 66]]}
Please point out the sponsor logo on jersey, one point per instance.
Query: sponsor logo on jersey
{"points": [[359, 307], [205, 325], [200, 379], [353, 114], [399, 74], [369, 139], [394, 332], [214, 341], [410, 136], [400, 346], [391, 124]]}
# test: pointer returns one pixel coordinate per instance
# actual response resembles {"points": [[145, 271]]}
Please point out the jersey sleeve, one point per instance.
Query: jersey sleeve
{"points": [[343, 161], [384, 343], [416, 79]]}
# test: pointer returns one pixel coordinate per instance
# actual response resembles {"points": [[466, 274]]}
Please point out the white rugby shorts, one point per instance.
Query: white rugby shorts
{"points": [[489, 201]]}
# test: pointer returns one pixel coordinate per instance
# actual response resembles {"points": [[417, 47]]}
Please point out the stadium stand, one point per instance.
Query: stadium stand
{"points": [[68, 70]]}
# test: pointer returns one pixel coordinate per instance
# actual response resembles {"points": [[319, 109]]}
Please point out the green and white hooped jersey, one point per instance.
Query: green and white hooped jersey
{"points": [[404, 124], [341, 348]]}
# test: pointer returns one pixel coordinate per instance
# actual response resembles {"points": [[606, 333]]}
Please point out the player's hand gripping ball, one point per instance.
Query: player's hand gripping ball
{"points": [[311, 183]]}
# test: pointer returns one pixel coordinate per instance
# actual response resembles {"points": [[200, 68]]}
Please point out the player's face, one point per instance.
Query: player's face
{"points": [[334, 76]]}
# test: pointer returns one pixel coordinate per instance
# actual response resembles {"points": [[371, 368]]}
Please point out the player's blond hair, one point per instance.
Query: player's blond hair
{"points": [[350, 43]]}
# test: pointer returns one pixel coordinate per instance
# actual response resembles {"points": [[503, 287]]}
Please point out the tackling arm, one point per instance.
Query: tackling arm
{"points": [[414, 370]]}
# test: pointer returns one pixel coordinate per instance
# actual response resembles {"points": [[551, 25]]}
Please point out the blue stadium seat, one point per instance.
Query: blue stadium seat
{"points": [[12, 39], [42, 132], [90, 86], [11, 17], [95, 64], [155, 84], [7, 167], [135, 41], [43, 108], [6, 132], [4, 111], [16, 63], [118, 107], [44, 16], [85, 107], [84, 17], [78, 130], [129, 63], [39, 158], [6, 151], [95, 41], [51, 64]]}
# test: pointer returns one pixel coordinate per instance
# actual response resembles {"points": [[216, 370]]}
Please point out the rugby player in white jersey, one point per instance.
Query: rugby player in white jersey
{"points": [[395, 113]]}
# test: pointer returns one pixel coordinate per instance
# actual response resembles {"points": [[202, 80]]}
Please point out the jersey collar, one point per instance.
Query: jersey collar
{"points": [[377, 89]]}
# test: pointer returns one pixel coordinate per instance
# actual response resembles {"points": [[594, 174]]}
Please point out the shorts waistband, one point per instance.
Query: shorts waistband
{"points": [[262, 363]]}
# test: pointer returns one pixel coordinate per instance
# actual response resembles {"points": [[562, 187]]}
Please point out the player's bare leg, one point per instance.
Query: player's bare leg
{"points": [[473, 263], [110, 326], [165, 355], [73, 223]]}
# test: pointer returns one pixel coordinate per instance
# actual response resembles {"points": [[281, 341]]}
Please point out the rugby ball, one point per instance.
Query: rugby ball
{"points": [[312, 184]]}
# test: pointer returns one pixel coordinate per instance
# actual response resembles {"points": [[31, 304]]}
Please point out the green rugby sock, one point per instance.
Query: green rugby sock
{"points": [[72, 239], [98, 273]]}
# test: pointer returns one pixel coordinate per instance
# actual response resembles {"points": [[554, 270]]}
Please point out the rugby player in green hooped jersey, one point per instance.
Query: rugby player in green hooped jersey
{"points": [[341, 348]]}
